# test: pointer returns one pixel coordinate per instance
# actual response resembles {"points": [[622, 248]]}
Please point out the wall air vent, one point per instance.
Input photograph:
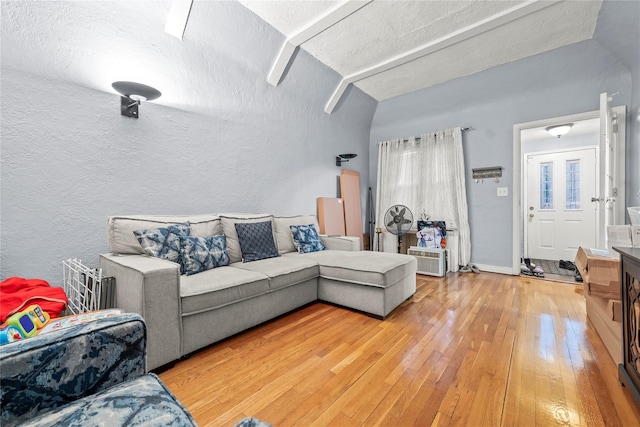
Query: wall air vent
{"points": [[430, 261]]}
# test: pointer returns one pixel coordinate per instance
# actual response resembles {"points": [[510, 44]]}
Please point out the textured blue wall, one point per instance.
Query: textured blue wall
{"points": [[69, 159], [565, 81]]}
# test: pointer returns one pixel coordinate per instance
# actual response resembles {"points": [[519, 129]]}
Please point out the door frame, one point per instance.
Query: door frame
{"points": [[525, 191], [517, 209]]}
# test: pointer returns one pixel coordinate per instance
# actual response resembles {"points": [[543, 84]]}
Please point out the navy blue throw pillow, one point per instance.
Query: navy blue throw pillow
{"points": [[256, 241]]}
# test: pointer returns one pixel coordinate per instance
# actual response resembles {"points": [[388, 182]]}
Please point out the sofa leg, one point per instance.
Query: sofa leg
{"points": [[163, 368]]}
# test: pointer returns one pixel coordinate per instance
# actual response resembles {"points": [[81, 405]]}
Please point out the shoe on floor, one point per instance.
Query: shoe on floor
{"points": [[525, 270], [538, 271], [578, 277], [474, 268], [567, 265], [465, 269]]}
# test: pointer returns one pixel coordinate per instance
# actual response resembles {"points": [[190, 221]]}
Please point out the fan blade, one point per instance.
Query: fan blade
{"points": [[407, 221], [390, 223], [396, 208], [402, 212]]}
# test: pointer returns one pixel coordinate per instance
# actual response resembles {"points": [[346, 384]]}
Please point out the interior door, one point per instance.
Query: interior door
{"points": [[610, 189], [560, 216]]}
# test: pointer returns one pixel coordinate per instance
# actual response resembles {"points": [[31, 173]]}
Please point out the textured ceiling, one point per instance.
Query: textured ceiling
{"points": [[93, 43], [382, 30]]}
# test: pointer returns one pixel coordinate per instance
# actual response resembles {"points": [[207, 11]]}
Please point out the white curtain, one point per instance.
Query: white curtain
{"points": [[426, 175]]}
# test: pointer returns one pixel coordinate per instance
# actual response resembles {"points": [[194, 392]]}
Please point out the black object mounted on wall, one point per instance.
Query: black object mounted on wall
{"points": [[344, 158], [132, 95]]}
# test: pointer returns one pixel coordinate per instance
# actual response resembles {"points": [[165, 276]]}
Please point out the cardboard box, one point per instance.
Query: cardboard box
{"points": [[614, 308], [610, 332], [600, 273]]}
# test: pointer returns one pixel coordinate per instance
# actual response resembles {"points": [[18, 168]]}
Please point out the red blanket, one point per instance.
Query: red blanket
{"points": [[17, 293]]}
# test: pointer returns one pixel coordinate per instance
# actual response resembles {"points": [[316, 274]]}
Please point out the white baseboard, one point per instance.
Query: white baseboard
{"points": [[495, 269]]}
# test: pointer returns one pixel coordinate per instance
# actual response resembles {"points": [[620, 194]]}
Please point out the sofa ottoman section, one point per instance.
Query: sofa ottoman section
{"points": [[371, 268], [374, 300], [373, 282]]}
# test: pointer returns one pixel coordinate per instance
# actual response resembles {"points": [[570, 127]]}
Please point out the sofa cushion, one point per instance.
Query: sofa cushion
{"points": [[306, 238], [218, 287], [203, 253], [229, 229], [164, 242], [283, 272], [256, 241], [364, 267], [144, 401], [122, 241], [282, 224]]}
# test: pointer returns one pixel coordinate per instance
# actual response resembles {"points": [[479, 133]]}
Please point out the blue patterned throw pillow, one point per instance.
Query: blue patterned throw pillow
{"points": [[164, 242], [203, 253], [306, 239], [256, 241]]}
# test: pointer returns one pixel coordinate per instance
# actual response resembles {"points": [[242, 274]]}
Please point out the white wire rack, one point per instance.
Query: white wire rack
{"points": [[83, 286]]}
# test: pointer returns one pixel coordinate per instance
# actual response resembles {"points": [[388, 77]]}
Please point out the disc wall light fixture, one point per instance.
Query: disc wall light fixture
{"points": [[132, 95], [559, 130], [342, 158]]}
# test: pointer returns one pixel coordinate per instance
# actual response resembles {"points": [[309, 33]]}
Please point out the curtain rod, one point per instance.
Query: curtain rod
{"points": [[417, 138]]}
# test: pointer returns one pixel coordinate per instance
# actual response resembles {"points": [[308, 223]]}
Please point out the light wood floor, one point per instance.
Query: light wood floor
{"points": [[470, 349]]}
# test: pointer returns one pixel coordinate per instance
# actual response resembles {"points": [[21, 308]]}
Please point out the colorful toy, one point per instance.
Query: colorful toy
{"points": [[23, 322], [39, 317], [28, 322], [10, 334]]}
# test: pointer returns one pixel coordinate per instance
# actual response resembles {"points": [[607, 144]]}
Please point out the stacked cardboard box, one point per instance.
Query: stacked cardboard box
{"points": [[601, 277], [600, 273]]}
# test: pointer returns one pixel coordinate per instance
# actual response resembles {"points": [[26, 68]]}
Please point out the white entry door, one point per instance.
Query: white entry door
{"points": [[559, 214]]}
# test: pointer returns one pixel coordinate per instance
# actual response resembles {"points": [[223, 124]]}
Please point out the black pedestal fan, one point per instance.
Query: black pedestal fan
{"points": [[398, 220]]}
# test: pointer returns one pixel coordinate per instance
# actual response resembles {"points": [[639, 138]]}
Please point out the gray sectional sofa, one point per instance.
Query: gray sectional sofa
{"points": [[185, 313]]}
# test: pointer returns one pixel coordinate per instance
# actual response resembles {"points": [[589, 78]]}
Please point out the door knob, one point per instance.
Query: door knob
{"points": [[531, 215]]}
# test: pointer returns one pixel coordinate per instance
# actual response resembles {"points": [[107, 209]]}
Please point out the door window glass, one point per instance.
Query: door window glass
{"points": [[546, 185], [573, 184]]}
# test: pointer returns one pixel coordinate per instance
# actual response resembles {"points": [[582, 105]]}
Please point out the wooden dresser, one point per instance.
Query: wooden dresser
{"points": [[629, 369]]}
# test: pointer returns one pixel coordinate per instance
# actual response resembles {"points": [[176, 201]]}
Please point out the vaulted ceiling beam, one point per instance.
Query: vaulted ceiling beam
{"points": [[177, 17], [323, 22], [458, 36]]}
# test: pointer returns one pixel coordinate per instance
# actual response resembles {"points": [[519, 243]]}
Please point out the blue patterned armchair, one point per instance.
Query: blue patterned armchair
{"points": [[91, 374]]}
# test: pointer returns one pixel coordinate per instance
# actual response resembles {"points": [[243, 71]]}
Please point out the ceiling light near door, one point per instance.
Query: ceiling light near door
{"points": [[559, 130]]}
